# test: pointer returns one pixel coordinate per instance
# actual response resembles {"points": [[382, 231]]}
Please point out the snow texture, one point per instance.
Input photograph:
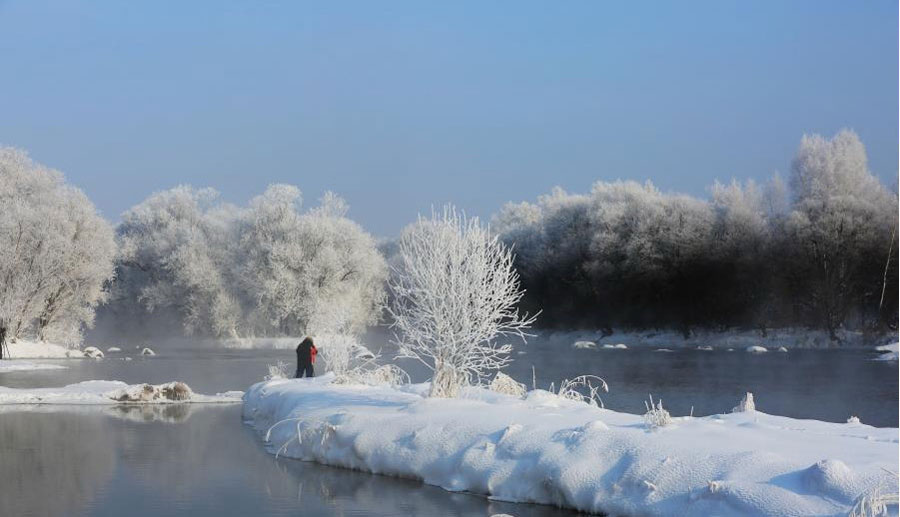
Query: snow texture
{"points": [[103, 392], [549, 450]]}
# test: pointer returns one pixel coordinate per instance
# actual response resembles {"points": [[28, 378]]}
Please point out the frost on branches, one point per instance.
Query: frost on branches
{"points": [[56, 253], [455, 291]]}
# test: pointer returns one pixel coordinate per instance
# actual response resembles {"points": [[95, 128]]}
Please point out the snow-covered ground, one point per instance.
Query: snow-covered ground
{"points": [[546, 449], [40, 350], [736, 339], [890, 352], [98, 392], [14, 365]]}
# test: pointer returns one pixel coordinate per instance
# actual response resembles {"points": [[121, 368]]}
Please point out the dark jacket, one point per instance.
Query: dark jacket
{"points": [[306, 353]]}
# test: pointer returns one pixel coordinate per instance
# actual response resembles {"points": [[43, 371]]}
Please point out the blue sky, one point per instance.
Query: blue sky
{"points": [[399, 106]]}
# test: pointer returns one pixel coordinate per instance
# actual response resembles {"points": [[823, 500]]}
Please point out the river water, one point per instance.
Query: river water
{"points": [[201, 460]]}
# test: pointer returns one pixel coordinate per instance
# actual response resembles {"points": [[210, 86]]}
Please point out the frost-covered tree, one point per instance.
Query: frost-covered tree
{"points": [[455, 292], [178, 253], [841, 222], [56, 253], [265, 270], [310, 273]]}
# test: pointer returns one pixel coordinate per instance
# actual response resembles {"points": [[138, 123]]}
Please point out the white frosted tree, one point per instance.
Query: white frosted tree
{"points": [[842, 217], [454, 294], [56, 253]]}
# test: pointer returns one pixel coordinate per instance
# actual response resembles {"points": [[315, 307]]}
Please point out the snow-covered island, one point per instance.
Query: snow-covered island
{"points": [[543, 448], [113, 392]]}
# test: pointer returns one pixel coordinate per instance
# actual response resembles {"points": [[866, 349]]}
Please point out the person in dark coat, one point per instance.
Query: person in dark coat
{"points": [[306, 358]]}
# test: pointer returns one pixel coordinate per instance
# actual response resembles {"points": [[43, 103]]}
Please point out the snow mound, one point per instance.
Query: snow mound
{"points": [[112, 392], [620, 346], [113, 350], [891, 352], [663, 350], [550, 450], [585, 345], [705, 348], [14, 365], [782, 349], [39, 350], [147, 351], [756, 349]]}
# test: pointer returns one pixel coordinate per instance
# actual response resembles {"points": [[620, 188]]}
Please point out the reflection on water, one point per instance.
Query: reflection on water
{"points": [[116, 461], [201, 460]]}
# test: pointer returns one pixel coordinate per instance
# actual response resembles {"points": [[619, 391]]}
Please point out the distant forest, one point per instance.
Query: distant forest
{"points": [[817, 251]]}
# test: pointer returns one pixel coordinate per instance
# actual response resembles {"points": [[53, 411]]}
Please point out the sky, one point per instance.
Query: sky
{"points": [[401, 106]]}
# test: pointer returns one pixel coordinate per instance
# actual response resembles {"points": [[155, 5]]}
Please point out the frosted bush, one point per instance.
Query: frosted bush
{"points": [[505, 384], [584, 388], [745, 405], [455, 295], [278, 370], [656, 416], [875, 502], [853, 420]]}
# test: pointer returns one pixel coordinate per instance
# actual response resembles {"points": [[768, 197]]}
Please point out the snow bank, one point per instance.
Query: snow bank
{"points": [[545, 449], [39, 350], [13, 365], [103, 392], [757, 349], [891, 352]]}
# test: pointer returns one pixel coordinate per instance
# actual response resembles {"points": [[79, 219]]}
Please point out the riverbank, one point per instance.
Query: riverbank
{"points": [[789, 338], [581, 457]]}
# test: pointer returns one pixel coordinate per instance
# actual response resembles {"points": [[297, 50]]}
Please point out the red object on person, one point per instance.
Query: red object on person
{"points": [[312, 354]]}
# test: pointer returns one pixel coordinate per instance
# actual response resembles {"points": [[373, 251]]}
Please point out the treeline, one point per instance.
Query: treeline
{"points": [[819, 252]]}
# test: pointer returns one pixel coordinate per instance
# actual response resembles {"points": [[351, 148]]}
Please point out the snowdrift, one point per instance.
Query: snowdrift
{"points": [[545, 449], [108, 392]]}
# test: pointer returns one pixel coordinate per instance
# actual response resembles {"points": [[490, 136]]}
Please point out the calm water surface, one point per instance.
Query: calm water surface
{"points": [[201, 460]]}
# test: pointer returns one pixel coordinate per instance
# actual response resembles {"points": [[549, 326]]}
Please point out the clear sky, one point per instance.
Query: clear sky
{"points": [[398, 106]]}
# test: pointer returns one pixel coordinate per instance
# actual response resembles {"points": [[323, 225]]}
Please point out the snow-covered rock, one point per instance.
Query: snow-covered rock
{"points": [[663, 350], [705, 348], [620, 346], [782, 349], [890, 352], [147, 351], [583, 457], [113, 350], [756, 349], [110, 392], [150, 392], [17, 365], [584, 345], [93, 352]]}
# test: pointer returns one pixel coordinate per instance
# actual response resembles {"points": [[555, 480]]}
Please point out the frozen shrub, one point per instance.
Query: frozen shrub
{"points": [[278, 370], [745, 405], [656, 416], [455, 295], [875, 502], [505, 384], [584, 388]]}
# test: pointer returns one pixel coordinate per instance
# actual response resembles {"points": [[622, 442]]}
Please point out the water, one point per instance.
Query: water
{"points": [[201, 460]]}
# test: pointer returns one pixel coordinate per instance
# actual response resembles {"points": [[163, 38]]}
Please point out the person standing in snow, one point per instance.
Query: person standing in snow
{"points": [[306, 358]]}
